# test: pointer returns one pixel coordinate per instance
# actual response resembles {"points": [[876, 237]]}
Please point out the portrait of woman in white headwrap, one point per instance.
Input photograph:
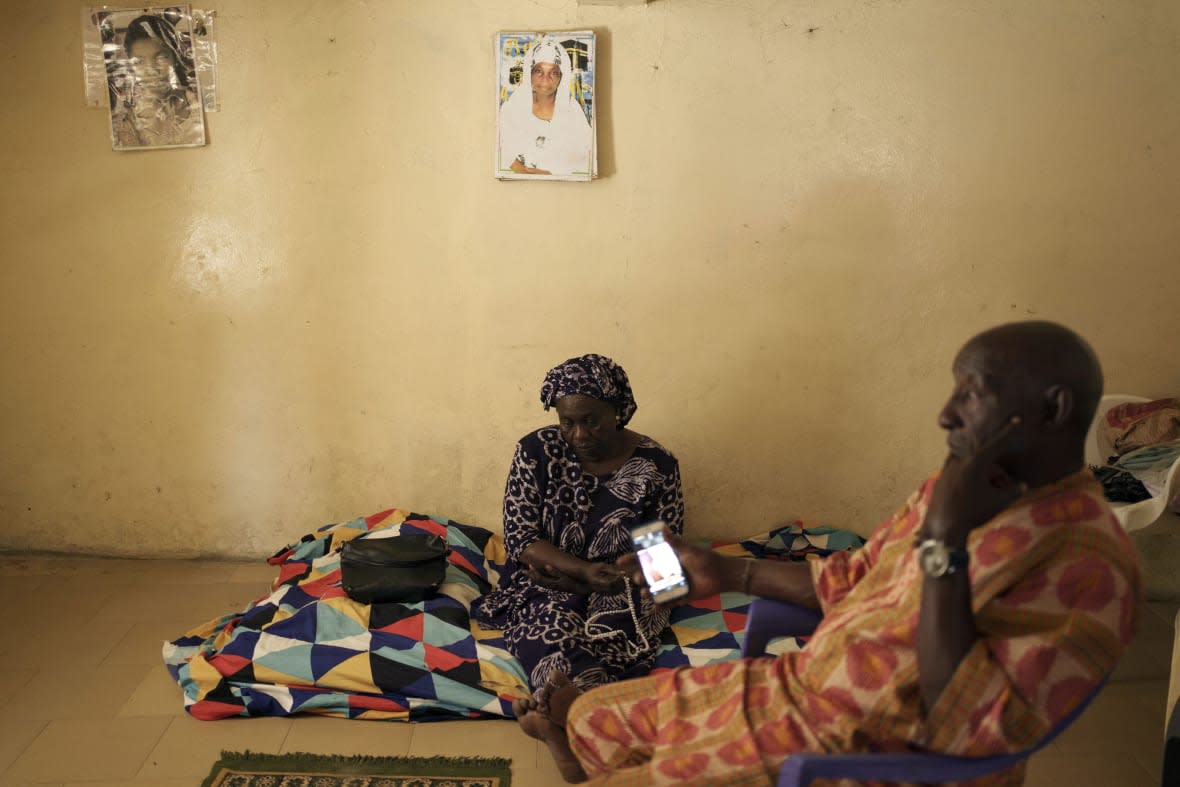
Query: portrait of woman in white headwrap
{"points": [[544, 129]]}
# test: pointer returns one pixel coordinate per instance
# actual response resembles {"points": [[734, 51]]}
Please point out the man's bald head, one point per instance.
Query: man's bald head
{"points": [[1037, 356], [1039, 375]]}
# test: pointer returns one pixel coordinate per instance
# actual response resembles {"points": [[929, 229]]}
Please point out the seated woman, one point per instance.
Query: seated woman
{"points": [[573, 493]]}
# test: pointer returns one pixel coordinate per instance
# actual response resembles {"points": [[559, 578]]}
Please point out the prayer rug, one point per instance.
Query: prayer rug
{"points": [[250, 769]]}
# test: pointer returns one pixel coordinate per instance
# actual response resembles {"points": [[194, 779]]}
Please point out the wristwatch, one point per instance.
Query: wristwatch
{"points": [[938, 560]]}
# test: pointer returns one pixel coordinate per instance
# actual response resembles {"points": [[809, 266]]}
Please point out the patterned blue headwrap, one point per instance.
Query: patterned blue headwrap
{"points": [[591, 375]]}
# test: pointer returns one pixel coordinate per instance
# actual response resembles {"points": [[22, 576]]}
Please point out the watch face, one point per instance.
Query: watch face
{"points": [[934, 558]]}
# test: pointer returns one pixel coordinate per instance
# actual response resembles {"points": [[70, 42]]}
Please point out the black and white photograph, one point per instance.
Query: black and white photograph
{"points": [[151, 78]]}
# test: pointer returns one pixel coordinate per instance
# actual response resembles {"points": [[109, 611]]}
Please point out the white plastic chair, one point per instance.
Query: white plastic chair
{"points": [[1132, 516]]}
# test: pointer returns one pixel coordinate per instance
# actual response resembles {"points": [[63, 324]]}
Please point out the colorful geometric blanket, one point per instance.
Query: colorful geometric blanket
{"points": [[308, 648]]}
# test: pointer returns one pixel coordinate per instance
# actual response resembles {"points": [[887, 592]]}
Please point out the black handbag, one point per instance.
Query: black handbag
{"points": [[400, 568]]}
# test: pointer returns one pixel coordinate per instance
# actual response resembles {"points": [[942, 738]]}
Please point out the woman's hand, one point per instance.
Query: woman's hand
{"points": [[589, 578], [554, 568], [553, 578], [604, 578]]}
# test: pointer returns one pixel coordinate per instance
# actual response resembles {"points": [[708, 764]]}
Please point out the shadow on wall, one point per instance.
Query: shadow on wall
{"points": [[604, 133]]}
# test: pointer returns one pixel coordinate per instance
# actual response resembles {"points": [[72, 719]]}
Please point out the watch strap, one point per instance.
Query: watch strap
{"points": [[958, 559]]}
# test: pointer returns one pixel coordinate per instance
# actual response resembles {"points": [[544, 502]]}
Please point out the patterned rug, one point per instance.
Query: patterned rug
{"points": [[248, 769]]}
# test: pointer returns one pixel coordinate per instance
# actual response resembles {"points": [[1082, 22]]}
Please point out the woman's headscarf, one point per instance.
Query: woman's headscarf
{"points": [[569, 141], [547, 50], [591, 375]]}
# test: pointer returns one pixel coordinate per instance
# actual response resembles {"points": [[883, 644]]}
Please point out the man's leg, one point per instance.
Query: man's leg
{"points": [[728, 723]]}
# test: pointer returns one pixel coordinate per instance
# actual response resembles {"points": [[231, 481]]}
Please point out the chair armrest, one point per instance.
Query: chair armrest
{"points": [[767, 619], [799, 769]]}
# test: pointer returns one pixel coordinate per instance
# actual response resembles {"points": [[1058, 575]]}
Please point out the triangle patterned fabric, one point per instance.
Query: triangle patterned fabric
{"points": [[305, 647]]}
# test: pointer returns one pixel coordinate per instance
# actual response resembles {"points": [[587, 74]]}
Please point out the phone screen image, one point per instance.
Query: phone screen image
{"points": [[661, 568]]}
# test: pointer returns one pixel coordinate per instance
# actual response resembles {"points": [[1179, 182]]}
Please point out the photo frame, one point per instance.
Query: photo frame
{"points": [[545, 108], [153, 93]]}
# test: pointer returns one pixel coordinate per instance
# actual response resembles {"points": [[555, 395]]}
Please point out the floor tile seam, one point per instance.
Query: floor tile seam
{"points": [[33, 672], [287, 734], [1137, 694], [152, 749], [1163, 611], [1153, 773], [1144, 749], [24, 750], [1133, 681], [103, 661], [1154, 641]]}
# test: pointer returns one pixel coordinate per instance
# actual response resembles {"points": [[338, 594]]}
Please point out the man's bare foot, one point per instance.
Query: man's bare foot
{"points": [[522, 705], [526, 708], [536, 720], [557, 695], [535, 725]]}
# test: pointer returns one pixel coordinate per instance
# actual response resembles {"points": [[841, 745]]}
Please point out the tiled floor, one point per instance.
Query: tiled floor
{"points": [[108, 714]]}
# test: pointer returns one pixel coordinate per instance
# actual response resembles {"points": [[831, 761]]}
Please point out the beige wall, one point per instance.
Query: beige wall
{"points": [[804, 209]]}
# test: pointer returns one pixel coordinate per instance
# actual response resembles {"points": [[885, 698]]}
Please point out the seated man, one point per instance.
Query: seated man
{"points": [[974, 619]]}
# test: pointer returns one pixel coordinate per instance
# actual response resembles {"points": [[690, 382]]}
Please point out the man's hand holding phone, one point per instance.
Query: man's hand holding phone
{"points": [[708, 573], [701, 569]]}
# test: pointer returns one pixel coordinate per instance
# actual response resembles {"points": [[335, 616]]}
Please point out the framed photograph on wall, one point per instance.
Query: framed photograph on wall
{"points": [[545, 126], [151, 77]]}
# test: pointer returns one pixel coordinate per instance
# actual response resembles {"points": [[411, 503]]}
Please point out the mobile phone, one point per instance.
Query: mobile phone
{"points": [[661, 568]]}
